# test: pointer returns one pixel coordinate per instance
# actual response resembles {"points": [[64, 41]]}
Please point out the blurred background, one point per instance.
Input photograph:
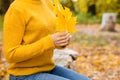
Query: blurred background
{"points": [[87, 11], [97, 39]]}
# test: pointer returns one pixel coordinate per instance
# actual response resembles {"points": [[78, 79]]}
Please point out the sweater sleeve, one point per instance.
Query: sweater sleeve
{"points": [[14, 28]]}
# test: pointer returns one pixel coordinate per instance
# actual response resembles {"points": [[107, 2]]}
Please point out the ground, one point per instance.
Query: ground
{"points": [[99, 52]]}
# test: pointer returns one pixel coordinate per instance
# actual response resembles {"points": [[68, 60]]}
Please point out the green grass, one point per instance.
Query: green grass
{"points": [[91, 19], [1, 22], [87, 19]]}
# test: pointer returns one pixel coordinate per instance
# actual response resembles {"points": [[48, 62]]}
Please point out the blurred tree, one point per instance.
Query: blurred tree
{"points": [[4, 4], [118, 7], [106, 6], [83, 6], [92, 7], [0, 6], [87, 6], [76, 6], [69, 4]]}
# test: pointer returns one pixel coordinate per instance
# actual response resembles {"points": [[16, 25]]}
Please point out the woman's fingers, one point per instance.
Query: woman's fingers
{"points": [[64, 44], [61, 39]]}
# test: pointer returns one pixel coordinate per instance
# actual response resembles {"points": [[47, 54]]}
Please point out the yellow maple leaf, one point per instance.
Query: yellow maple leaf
{"points": [[64, 20]]}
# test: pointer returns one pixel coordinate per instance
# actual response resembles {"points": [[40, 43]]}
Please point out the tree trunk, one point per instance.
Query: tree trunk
{"points": [[108, 22], [92, 9]]}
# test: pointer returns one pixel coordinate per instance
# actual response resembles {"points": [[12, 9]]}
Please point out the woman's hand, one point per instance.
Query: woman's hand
{"points": [[61, 39]]}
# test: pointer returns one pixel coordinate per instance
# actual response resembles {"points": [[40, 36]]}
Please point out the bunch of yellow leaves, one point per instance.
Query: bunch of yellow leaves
{"points": [[64, 20]]}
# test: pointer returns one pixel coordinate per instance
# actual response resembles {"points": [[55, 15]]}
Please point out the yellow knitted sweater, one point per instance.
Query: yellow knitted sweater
{"points": [[28, 46]]}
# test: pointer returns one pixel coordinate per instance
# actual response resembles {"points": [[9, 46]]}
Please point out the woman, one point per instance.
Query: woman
{"points": [[29, 41]]}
